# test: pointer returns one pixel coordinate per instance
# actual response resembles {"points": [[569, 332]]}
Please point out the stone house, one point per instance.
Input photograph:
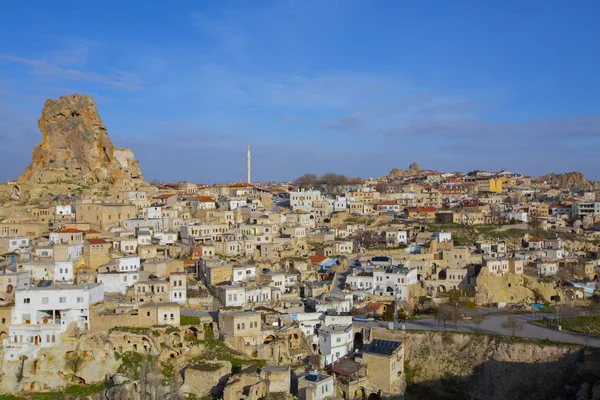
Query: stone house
{"points": [[11, 281], [96, 252], [105, 215], [315, 386], [335, 342], [385, 366], [240, 324], [42, 314]]}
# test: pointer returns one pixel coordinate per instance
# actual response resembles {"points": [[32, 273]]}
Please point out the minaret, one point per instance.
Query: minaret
{"points": [[248, 163]]}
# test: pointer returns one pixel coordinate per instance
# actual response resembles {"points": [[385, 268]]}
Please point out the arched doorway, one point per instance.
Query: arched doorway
{"points": [[9, 288], [269, 339], [359, 393], [191, 334], [569, 294], [442, 275], [374, 396], [441, 289]]}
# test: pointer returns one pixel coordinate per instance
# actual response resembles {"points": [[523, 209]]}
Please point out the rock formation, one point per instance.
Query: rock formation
{"points": [[574, 180], [75, 147], [462, 366], [413, 169]]}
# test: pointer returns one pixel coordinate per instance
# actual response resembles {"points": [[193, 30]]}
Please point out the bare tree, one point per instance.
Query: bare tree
{"points": [[514, 324], [331, 181], [307, 181], [443, 315], [477, 319]]}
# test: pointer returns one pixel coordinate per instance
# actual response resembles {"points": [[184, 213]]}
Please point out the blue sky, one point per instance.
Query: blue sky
{"points": [[352, 87]]}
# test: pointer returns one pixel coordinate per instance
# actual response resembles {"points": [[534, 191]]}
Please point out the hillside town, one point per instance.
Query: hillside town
{"points": [[304, 289]]}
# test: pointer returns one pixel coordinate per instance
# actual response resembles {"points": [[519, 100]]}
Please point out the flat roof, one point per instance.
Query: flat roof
{"points": [[381, 346], [69, 287]]}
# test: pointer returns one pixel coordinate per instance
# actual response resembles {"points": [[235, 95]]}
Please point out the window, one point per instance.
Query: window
{"points": [[44, 300], [80, 299], [62, 300], [147, 313], [26, 300]]}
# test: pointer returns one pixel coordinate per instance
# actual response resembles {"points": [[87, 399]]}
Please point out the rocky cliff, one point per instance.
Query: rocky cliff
{"points": [[462, 366], [75, 147], [570, 180], [413, 169]]}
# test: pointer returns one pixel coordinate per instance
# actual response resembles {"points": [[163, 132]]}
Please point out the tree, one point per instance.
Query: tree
{"points": [[307, 181], [514, 324], [443, 315], [331, 181], [477, 319]]}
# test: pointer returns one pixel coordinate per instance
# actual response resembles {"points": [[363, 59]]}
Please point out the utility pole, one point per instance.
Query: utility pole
{"points": [[396, 322]]}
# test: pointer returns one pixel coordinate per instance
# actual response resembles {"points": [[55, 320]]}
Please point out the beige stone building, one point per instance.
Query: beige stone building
{"points": [[385, 366], [96, 252], [240, 324], [105, 215]]}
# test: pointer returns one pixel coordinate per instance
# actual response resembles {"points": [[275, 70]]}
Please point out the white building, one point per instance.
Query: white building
{"points": [[144, 238], [17, 243], [128, 264], [42, 314], [178, 287], [340, 203], [547, 268], [118, 282], [237, 203], [153, 212], [303, 200], [394, 280], [232, 296], [64, 209], [394, 237], [258, 294], [443, 237], [244, 273], [315, 386], [361, 280], [335, 342], [166, 238], [63, 271]]}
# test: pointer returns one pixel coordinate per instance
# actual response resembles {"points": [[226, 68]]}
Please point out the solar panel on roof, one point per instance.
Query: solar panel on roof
{"points": [[44, 283], [380, 346]]}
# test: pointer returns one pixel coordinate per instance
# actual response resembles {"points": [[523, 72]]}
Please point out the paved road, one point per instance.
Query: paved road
{"points": [[492, 324]]}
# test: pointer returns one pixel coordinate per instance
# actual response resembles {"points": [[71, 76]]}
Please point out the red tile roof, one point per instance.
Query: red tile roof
{"points": [[163, 196], [316, 259], [70, 230]]}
